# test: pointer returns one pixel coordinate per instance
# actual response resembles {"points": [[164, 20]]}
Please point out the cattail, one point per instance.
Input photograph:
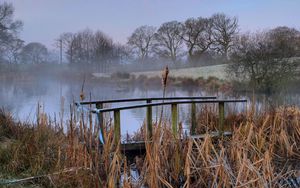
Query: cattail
{"points": [[164, 80], [165, 74], [82, 97]]}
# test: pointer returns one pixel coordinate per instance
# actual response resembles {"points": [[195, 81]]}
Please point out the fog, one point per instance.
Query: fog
{"points": [[262, 67], [56, 92]]}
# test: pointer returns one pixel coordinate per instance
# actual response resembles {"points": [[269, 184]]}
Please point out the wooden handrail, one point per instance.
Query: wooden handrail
{"points": [[143, 99], [174, 104], [166, 103]]}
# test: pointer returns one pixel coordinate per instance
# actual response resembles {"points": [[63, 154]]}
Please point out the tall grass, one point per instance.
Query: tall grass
{"points": [[263, 151]]}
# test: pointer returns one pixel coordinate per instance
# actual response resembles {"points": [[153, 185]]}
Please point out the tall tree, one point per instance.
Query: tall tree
{"points": [[197, 36], [169, 40], [225, 29], [68, 44], [142, 41], [103, 50]]}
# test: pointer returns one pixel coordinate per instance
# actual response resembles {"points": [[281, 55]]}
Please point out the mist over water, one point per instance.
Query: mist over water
{"points": [[22, 99], [55, 97]]}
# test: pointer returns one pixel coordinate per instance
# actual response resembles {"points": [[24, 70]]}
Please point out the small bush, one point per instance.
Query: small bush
{"points": [[120, 75]]}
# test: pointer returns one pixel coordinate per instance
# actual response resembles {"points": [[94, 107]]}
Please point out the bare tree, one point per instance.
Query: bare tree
{"points": [[103, 50], [197, 36], [67, 42], [84, 47], [169, 40], [9, 29], [13, 51], [34, 53], [225, 28], [142, 40], [122, 53]]}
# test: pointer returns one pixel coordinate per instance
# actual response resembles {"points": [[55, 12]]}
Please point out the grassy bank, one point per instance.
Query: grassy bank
{"points": [[262, 152], [218, 71]]}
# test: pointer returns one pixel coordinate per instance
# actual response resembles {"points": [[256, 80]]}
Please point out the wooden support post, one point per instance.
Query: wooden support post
{"points": [[101, 119], [149, 120], [174, 118], [221, 117], [193, 118], [117, 127]]}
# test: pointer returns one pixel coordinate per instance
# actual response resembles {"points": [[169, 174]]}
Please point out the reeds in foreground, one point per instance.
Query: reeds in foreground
{"points": [[263, 151]]}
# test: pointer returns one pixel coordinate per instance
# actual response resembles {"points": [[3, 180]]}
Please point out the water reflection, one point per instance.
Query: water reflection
{"points": [[21, 98]]}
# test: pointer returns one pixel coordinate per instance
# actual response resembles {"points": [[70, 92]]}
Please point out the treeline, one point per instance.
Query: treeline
{"points": [[196, 38], [263, 59]]}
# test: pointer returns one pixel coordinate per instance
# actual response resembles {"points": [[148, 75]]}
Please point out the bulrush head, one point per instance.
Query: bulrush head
{"points": [[165, 74]]}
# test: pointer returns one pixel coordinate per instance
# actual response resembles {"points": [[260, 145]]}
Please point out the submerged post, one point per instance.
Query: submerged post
{"points": [[193, 118], [149, 120], [221, 118], [101, 120], [117, 127], [174, 118]]}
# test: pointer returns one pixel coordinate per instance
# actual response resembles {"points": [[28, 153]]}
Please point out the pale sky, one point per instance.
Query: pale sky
{"points": [[45, 20]]}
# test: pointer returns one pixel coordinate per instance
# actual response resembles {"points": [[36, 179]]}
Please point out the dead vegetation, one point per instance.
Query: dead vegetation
{"points": [[262, 152]]}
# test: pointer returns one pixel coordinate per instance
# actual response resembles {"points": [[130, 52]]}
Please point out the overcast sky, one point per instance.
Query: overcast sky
{"points": [[45, 20]]}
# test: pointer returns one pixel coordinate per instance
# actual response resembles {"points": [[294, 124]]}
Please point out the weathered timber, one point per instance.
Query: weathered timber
{"points": [[149, 120], [193, 119], [221, 117], [174, 118], [117, 127], [144, 99]]}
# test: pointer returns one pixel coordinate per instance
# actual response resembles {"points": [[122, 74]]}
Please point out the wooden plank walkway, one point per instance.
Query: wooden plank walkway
{"points": [[140, 145]]}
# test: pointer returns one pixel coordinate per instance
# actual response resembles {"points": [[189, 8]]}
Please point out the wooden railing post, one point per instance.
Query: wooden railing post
{"points": [[193, 118], [117, 127], [174, 118], [221, 117], [101, 119], [149, 120]]}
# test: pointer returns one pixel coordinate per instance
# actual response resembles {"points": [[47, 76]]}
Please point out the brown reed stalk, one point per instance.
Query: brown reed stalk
{"points": [[164, 79]]}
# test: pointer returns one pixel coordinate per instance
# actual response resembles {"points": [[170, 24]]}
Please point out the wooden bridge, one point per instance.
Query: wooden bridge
{"points": [[151, 102]]}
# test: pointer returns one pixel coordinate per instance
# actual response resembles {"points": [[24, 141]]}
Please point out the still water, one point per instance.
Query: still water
{"points": [[55, 97]]}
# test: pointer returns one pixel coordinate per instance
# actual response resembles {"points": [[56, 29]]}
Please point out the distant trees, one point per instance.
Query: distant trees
{"points": [[200, 36], [34, 53], [285, 40], [10, 43], [94, 48], [142, 41], [259, 58]]}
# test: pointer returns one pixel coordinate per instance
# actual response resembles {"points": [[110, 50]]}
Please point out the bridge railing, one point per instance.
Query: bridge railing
{"points": [[100, 104], [175, 101]]}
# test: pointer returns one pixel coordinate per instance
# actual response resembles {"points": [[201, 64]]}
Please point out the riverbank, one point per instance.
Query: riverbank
{"points": [[262, 152]]}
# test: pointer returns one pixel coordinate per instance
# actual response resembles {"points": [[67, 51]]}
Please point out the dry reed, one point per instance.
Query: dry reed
{"points": [[263, 151]]}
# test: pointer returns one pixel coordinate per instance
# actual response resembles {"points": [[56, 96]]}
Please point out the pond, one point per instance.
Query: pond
{"points": [[55, 96]]}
